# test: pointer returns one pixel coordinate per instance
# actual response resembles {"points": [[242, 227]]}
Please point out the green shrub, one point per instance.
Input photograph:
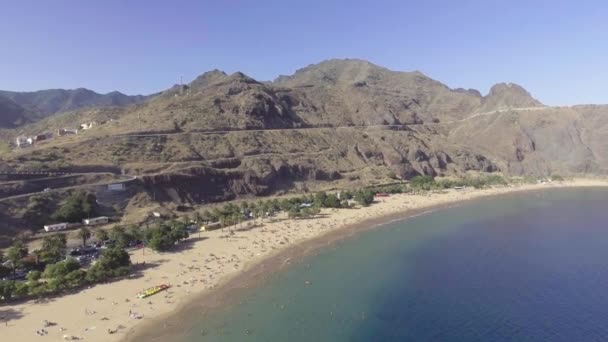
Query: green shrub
{"points": [[364, 197]]}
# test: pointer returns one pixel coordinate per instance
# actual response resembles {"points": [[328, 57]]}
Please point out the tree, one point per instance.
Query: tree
{"points": [[37, 254], [294, 212], [53, 248], [4, 271], [84, 234], [7, 288], [16, 253], [77, 207], [285, 204], [364, 197], [101, 235], [186, 219], [331, 201], [61, 269], [22, 289], [320, 198], [216, 214], [346, 195], [207, 217], [165, 236], [75, 278], [34, 276], [422, 182], [134, 233], [114, 262], [198, 218], [120, 236]]}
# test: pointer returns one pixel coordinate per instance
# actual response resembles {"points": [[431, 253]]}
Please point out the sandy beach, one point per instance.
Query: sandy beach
{"points": [[203, 264]]}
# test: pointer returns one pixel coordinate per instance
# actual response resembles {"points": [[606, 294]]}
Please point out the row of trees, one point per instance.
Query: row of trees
{"points": [[428, 183], [296, 207], [66, 275]]}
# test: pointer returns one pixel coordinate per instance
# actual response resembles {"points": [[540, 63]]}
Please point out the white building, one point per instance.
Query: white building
{"points": [[95, 221], [23, 141], [87, 125], [66, 131], [55, 227]]}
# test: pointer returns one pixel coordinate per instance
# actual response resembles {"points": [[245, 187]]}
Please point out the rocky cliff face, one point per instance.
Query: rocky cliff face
{"points": [[326, 125]]}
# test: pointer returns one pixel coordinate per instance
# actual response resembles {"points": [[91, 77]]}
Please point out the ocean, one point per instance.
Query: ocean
{"points": [[521, 267]]}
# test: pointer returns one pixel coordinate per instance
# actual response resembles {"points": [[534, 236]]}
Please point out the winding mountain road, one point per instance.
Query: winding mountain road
{"points": [[128, 178]]}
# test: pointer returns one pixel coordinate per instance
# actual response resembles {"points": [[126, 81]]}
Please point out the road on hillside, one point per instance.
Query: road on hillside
{"points": [[129, 135], [126, 178], [135, 134]]}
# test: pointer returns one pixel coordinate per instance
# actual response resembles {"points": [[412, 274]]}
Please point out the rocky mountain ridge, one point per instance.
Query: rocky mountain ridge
{"points": [[336, 123], [27, 107]]}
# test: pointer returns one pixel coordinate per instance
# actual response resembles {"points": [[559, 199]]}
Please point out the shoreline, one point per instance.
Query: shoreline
{"points": [[233, 288], [211, 270]]}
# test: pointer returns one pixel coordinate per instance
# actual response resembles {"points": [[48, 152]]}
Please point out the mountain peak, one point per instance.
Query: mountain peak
{"points": [[241, 77], [207, 78], [508, 95]]}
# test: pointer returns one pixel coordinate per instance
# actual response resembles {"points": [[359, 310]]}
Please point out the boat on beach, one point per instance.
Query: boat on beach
{"points": [[152, 290]]}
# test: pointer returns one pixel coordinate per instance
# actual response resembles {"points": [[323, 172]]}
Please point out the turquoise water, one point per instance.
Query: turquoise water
{"points": [[523, 267]]}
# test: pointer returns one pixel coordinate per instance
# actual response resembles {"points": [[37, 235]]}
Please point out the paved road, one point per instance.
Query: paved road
{"points": [[125, 178]]}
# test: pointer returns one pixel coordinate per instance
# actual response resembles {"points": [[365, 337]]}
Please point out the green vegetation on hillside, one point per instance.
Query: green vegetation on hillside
{"points": [[77, 207]]}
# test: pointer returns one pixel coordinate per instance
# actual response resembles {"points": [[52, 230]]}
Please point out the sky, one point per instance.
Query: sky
{"points": [[557, 50]]}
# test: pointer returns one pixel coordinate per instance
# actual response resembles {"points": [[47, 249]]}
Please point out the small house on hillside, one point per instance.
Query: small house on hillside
{"points": [[66, 131], [39, 137], [87, 125], [55, 227], [96, 221], [43, 136], [23, 141]]}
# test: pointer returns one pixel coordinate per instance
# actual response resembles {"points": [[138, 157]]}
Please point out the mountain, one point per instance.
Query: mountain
{"points": [[43, 103], [508, 95], [271, 136], [338, 123], [12, 114], [360, 93], [335, 124]]}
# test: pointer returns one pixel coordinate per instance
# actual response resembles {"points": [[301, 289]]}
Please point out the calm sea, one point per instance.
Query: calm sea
{"points": [[523, 267]]}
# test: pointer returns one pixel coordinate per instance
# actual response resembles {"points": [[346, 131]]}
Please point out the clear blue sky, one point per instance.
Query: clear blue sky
{"points": [[556, 49]]}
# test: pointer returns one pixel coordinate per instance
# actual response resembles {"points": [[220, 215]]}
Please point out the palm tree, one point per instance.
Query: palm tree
{"points": [[16, 253], [101, 235], [36, 253], [84, 233]]}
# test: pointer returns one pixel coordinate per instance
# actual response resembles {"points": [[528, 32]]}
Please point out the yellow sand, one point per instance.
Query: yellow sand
{"points": [[199, 266]]}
